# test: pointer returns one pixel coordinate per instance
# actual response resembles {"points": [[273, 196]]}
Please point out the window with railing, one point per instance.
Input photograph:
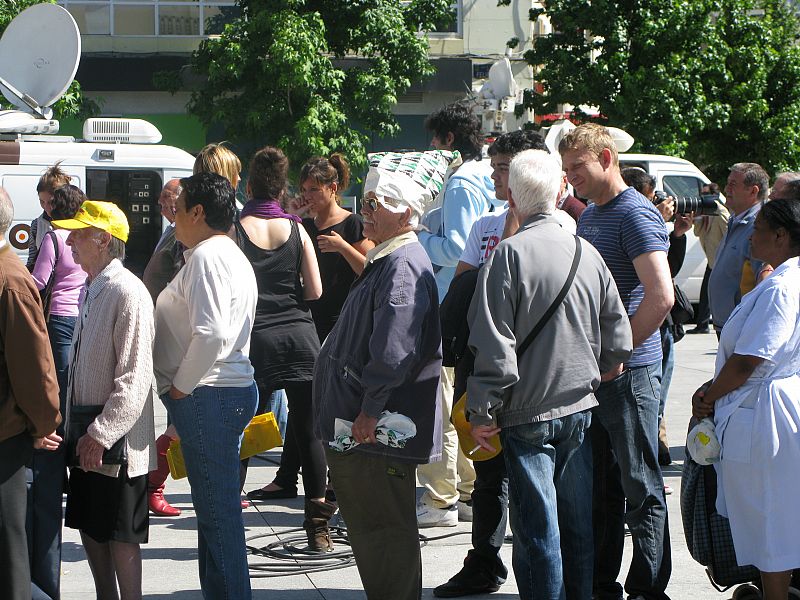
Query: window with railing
{"points": [[188, 18]]}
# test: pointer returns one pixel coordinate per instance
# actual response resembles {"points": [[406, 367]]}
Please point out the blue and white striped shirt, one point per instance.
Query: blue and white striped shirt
{"points": [[624, 228]]}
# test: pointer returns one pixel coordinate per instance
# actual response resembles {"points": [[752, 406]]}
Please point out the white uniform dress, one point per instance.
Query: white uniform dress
{"points": [[758, 425]]}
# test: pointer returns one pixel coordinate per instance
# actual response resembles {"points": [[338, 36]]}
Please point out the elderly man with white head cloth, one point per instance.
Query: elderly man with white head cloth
{"points": [[384, 354]]}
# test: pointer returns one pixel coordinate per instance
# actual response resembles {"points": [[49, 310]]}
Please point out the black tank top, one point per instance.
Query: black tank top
{"points": [[284, 344]]}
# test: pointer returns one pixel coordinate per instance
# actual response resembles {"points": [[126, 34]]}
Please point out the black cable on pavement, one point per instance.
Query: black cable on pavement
{"points": [[289, 556]]}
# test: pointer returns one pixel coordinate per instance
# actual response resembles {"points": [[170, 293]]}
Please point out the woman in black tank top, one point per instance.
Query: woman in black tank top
{"points": [[284, 343]]}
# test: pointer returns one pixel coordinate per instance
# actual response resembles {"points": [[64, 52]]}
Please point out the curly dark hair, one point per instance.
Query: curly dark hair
{"points": [[268, 175], [783, 213], [215, 194], [66, 201], [514, 142], [459, 119]]}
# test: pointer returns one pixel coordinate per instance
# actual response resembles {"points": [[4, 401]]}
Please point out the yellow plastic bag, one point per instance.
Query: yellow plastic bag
{"points": [[459, 419], [260, 435]]}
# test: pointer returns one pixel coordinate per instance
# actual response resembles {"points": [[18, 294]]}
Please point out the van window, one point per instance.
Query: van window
{"points": [[136, 193], [681, 186]]}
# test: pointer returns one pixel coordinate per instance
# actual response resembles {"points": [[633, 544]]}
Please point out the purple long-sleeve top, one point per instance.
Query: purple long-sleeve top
{"points": [[70, 278]]}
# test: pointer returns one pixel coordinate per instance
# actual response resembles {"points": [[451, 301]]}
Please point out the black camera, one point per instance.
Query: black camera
{"points": [[705, 205]]}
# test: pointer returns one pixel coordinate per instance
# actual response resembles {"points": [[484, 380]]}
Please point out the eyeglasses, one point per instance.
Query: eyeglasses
{"points": [[371, 203]]}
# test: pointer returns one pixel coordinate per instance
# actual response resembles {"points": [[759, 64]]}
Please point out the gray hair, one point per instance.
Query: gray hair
{"points": [[534, 179], [6, 211], [787, 176], [115, 247], [791, 189], [754, 174]]}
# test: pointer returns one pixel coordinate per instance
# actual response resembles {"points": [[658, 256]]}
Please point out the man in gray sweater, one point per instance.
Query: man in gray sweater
{"points": [[540, 401]]}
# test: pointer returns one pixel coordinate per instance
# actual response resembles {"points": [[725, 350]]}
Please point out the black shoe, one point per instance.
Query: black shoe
{"points": [[467, 582], [664, 459], [281, 494], [705, 329]]}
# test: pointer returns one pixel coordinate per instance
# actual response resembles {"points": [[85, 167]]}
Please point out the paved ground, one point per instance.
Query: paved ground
{"points": [[170, 559]]}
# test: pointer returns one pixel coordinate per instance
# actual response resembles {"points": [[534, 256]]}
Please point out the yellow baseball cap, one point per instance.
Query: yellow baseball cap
{"points": [[103, 215]]}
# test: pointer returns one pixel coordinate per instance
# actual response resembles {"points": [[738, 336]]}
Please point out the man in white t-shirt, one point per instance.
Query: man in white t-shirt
{"points": [[487, 231]]}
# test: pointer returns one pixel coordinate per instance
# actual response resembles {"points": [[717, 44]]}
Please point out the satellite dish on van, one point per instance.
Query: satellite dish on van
{"points": [[557, 131], [501, 79], [39, 55]]}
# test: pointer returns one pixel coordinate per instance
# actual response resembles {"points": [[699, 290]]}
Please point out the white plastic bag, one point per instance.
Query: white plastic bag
{"points": [[702, 443]]}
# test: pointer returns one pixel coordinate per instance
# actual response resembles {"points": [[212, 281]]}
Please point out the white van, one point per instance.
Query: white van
{"points": [[679, 178], [129, 174]]}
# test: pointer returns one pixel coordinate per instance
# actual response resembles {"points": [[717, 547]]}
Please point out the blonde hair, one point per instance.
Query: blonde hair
{"points": [[219, 159], [591, 137]]}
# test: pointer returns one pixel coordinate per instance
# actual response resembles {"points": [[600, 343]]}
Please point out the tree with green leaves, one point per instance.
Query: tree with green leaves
{"points": [[276, 75], [73, 104], [715, 81]]}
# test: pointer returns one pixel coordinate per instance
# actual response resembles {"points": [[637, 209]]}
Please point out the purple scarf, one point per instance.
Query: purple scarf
{"points": [[267, 209]]}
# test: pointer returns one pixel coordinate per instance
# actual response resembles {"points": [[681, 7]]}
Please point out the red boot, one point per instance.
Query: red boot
{"points": [[155, 482]]}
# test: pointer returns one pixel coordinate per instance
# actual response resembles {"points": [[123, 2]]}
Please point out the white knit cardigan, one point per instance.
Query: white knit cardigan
{"points": [[114, 366]]}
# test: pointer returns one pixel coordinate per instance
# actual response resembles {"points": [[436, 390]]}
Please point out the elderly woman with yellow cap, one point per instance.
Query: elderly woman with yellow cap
{"points": [[384, 354], [111, 388]]}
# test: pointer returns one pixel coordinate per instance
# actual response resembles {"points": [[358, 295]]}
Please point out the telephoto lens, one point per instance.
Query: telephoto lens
{"points": [[705, 205]]}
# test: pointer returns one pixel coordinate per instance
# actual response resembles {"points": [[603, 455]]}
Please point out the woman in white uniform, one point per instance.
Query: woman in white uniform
{"points": [[755, 398]]}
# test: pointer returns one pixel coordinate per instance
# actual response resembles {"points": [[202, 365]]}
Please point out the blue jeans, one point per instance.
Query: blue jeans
{"points": [[550, 483], [210, 422], [46, 481], [277, 405], [667, 366], [628, 487]]}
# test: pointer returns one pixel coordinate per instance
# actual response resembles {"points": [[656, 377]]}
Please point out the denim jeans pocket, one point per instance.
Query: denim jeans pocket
{"points": [[236, 406], [738, 436]]}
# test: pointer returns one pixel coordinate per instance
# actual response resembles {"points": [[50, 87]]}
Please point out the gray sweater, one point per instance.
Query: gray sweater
{"points": [[588, 334]]}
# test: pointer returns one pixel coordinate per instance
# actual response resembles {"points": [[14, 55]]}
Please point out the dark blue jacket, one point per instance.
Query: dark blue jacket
{"points": [[385, 353]]}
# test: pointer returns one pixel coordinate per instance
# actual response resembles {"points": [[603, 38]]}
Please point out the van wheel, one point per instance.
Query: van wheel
{"points": [[746, 592]]}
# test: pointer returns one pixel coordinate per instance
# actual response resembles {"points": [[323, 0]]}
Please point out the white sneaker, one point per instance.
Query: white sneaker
{"points": [[464, 510], [430, 516], [667, 490]]}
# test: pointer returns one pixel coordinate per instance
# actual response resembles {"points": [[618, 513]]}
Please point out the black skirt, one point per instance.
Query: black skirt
{"points": [[108, 508]]}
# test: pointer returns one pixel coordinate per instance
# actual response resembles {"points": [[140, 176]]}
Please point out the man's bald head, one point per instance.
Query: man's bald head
{"points": [[6, 211], [169, 196]]}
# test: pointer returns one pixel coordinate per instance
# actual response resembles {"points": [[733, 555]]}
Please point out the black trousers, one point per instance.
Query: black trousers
{"points": [[703, 317], [489, 517], [300, 448], [15, 575]]}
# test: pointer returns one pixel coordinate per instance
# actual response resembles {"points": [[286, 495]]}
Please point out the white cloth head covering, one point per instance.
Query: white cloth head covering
{"points": [[409, 179]]}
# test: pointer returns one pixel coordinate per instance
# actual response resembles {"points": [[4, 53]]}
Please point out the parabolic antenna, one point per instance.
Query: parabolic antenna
{"points": [[557, 131], [501, 79], [39, 55]]}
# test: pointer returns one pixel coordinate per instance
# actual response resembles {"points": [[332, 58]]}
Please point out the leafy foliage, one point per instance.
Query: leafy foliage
{"points": [[715, 81], [73, 104], [271, 75]]}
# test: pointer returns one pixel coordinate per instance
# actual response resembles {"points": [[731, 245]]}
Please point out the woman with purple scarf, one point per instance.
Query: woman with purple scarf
{"points": [[284, 345]]}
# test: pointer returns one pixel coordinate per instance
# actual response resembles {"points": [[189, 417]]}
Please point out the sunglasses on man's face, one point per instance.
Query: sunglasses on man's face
{"points": [[371, 203]]}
